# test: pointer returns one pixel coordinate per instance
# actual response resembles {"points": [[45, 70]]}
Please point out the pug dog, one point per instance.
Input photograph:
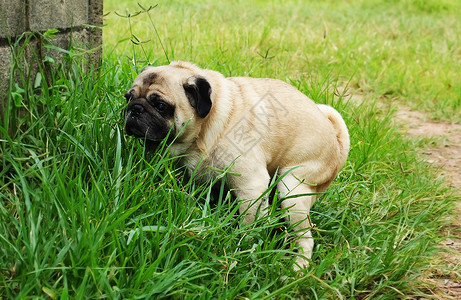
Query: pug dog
{"points": [[260, 127]]}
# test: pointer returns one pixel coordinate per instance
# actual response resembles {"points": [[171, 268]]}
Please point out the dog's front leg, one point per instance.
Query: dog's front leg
{"points": [[248, 188]]}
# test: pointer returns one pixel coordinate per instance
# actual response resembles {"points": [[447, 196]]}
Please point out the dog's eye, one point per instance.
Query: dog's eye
{"points": [[129, 96], [160, 106], [163, 108]]}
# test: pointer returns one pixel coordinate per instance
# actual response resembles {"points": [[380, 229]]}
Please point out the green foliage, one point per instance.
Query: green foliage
{"points": [[86, 212]]}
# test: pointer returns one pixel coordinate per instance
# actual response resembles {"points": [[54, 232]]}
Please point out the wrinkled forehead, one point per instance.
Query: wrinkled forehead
{"points": [[149, 76], [162, 75]]}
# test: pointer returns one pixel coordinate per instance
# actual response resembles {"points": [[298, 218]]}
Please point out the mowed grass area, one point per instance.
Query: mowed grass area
{"points": [[86, 212]]}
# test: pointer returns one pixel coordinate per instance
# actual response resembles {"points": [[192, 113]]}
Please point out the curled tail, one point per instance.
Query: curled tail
{"points": [[342, 133]]}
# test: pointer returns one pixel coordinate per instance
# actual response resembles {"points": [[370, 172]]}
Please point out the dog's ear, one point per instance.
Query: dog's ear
{"points": [[198, 91]]}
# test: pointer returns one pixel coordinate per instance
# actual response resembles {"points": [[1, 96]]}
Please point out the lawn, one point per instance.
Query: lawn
{"points": [[86, 212]]}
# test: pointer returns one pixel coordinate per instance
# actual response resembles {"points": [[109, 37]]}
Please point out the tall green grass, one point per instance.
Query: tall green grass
{"points": [[86, 212]]}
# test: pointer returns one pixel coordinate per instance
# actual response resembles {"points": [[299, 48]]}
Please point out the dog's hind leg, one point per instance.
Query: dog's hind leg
{"points": [[299, 197]]}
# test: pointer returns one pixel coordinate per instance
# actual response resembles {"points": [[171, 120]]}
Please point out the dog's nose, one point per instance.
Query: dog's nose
{"points": [[137, 108]]}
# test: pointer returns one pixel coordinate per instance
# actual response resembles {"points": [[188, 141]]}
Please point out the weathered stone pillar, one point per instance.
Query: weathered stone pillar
{"points": [[79, 21]]}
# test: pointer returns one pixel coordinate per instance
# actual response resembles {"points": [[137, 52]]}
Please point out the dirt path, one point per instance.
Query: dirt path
{"points": [[447, 156]]}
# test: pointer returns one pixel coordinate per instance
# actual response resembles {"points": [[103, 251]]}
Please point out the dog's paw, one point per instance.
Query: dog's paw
{"points": [[301, 263]]}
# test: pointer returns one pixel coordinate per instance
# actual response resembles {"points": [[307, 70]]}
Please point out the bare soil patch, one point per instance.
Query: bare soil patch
{"points": [[447, 155]]}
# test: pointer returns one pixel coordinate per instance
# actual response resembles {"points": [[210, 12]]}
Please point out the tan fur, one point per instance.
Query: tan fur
{"points": [[265, 126]]}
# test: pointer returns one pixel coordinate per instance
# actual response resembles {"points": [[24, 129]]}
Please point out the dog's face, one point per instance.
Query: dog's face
{"points": [[163, 100]]}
